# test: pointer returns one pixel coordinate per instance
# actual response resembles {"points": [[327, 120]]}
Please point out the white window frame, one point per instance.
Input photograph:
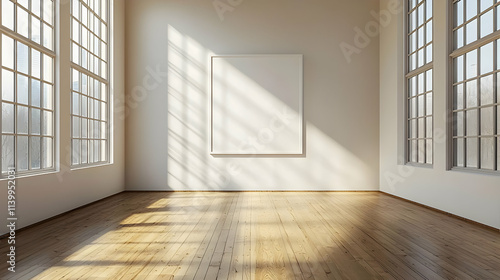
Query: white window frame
{"points": [[43, 51], [106, 81]]}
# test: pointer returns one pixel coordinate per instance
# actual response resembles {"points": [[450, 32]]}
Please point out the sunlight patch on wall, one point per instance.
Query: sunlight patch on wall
{"points": [[326, 165]]}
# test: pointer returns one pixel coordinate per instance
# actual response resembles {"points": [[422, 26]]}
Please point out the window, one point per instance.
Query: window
{"points": [[89, 82], [27, 74], [419, 99], [475, 106]]}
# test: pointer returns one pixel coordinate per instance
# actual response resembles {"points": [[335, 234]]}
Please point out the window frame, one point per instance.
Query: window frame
{"points": [[414, 73], [454, 52], [107, 81], [32, 45]]}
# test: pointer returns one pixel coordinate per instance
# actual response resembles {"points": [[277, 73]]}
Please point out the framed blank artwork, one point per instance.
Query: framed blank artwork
{"points": [[257, 105]]}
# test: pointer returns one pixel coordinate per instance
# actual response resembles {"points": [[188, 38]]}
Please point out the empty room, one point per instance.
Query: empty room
{"points": [[250, 139]]}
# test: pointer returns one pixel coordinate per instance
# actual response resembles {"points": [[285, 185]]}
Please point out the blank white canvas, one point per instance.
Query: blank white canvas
{"points": [[257, 105]]}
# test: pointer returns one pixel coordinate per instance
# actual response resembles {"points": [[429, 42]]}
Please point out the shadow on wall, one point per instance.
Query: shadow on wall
{"points": [[191, 167]]}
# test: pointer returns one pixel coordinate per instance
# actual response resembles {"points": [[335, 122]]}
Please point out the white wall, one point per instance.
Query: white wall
{"points": [[167, 123], [43, 196], [473, 196]]}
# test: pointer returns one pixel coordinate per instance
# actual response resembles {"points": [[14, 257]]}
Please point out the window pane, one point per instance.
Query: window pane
{"points": [[75, 4], [471, 94], [48, 8], [470, 9], [459, 97], [459, 13], [75, 51], [472, 155], [7, 52], [90, 152], [459, 128], [428, 54], [22, 58], [36, 7], [458, 148], [35, 121], [35, 93], [471, 122], [48, 96], [104, 92], [22, 22], [84, 124], [35, 152], [421, 106], [76, 31], [22, 89], [22, 153], [487, 94], [103, 130], [35, 63], [471, 64], [429, 128], [413, 108], [413, 151], [75, 76], [48, 123], [22, 120], [486, 23], [428, 104], [97, 152], [47, 152], [84, 151], [104, 9], [8, 15], [7, 152], [429, 151], [76, 151], [488, 153], [421, 128], [84, 106], [485, 4], [35, 30], [7, 85], [47, 36], [97, 109], [459, 37], [486, 53], [76, 127], [471, 32], [76, 103], [412, 129], [48, 63], [7, 118], [84, 84], [487, 121], [103, 150]]}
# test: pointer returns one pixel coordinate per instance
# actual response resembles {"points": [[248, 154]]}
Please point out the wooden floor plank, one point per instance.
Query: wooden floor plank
{"points": [[254, 235]]}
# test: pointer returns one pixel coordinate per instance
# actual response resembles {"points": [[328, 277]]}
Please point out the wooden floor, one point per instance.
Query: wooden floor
{"points": [[254, 235]]}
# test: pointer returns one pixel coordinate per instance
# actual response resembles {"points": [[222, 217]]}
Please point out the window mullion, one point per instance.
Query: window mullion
{"points": [[495, 108], [479, 110]]}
